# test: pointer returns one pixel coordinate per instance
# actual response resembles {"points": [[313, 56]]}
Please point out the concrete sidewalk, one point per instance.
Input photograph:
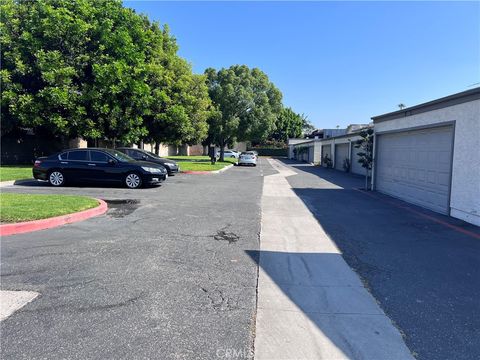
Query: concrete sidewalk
{"points": [[311, 305]]}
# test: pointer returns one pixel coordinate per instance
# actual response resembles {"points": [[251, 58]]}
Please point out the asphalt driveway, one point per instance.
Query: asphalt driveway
{"points": [[164, 274], [423, 268]]}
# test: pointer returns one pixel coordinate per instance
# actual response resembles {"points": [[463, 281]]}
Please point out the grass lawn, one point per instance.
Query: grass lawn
{"points": [[15, 172], [25, 207], [200, 163]]}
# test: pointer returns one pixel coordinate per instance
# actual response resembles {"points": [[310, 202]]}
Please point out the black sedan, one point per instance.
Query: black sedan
{"points": [[99, 166], [139, 154]]}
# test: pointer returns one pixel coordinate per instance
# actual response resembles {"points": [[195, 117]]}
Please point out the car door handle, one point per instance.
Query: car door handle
{"points": [[63, 162], [91, 165]]}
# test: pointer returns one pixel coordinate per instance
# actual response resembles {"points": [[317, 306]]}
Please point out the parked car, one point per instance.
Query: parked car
{"points": [[139, 154], [247, 158], [231, 154], [97, 166]]}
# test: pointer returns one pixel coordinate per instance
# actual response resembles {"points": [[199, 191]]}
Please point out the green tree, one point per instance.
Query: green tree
{"points": [[289, 125], [365, 144], [180, 103], [95, 69], [246, 105]]}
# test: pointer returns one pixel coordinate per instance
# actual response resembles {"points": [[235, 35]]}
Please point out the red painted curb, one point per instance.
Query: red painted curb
{"points": [[35, 225]]}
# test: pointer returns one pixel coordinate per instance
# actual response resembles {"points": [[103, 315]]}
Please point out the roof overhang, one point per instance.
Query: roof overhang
{"points": [[455, 99]]}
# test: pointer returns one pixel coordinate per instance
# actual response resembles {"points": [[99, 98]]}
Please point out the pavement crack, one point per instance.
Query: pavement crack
{"points": [[223, 235], [91, 308], [219, 301]]}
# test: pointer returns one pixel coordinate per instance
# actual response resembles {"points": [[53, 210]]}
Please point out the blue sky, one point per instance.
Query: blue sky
{"points": [[336, 62]]}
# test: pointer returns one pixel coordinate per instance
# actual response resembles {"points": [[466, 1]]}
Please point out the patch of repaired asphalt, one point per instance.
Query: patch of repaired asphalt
{"points": [[119, 208], [223, 235]]}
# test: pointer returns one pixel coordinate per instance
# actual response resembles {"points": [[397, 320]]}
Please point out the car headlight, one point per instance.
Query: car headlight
{"points": [[171, 164], [152, 170]]}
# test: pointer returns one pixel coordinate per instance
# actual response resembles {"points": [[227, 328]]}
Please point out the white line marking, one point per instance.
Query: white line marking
{"points": [[11, 301]]}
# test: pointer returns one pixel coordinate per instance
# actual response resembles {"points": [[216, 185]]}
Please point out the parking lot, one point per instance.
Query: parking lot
{"points": [[163, 274], [168, 272]]}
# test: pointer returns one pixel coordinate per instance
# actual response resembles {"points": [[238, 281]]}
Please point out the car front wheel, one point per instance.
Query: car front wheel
{"points": [[133, 181], [56, 178]]}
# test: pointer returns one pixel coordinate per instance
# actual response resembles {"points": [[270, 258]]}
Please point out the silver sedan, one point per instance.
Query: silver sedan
{"points": [[247, 158]]}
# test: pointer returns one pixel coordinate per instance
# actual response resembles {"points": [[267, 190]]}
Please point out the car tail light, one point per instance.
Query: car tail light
{"points": [[37, 163]]}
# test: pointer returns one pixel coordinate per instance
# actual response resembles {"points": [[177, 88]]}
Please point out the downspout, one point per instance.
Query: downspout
{"points": [[350, 154], [374, 160], [332, 150]]}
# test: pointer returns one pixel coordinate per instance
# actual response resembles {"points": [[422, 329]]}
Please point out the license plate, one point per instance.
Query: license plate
{"points": [[154, 179], [166, 176]]}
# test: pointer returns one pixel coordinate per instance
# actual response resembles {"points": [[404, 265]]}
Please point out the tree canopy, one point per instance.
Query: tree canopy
{"points": [[95, 69], [289, 125], [246, 105]]}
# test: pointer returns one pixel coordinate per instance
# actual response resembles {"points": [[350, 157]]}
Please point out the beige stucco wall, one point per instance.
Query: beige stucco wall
{"points": [[195, 149], [465, 191], [77, 143], [240, 146]]}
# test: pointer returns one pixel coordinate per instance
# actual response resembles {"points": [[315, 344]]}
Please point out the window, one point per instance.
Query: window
{"points": [[137, 155], [63, 156], [80, 155], [98, 156], [118, 155]]}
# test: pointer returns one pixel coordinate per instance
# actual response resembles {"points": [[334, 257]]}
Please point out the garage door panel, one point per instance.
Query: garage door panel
{"points": [[356, 166], [416, 166], [341, 153]]}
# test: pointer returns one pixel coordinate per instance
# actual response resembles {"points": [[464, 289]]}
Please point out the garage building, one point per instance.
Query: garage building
{"points": [[429, 155]]}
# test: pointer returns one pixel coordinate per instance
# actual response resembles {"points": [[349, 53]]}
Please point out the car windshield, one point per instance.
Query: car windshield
{"points": [[246, 153], [152, 154], [119, 155]]}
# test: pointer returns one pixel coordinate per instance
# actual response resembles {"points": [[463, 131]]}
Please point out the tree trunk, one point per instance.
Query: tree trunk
{"points": [[222, 151], [366, 179], [157, 148]]}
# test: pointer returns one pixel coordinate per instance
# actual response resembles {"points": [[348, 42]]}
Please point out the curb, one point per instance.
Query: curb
{"points": [[192, 172], [14, 182], [35, 225], [7, 183]]}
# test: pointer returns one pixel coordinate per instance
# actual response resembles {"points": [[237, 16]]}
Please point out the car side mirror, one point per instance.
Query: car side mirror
{"points": [[144, 157], [111, 162]]}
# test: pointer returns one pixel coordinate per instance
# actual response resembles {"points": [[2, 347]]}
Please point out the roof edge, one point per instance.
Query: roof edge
{"points": [[455, 99]]}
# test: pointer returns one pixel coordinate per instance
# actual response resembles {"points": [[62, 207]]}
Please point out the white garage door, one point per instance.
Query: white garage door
{"points": [[416, 165], [357, 168], [341, 153]]}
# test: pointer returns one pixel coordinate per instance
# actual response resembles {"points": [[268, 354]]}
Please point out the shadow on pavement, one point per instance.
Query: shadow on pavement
{"points": [[422, 267], [330, 295]]}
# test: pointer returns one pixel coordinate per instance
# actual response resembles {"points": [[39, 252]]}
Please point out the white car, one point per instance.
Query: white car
{"points": [[231, 154], [247, 158]]}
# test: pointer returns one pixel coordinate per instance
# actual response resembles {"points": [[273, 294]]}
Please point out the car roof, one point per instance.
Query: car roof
{"points": [[85, 149], [98, 148]]}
